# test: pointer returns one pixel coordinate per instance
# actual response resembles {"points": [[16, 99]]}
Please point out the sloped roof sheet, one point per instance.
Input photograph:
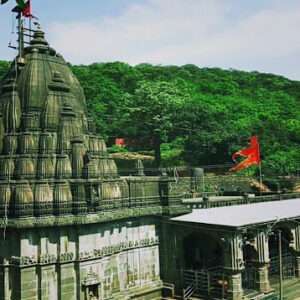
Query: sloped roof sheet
{"points": [[244, 215]]}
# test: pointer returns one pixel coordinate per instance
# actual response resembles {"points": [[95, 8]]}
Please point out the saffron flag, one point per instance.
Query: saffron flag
{"points": [[251, 154], [27, 10]]}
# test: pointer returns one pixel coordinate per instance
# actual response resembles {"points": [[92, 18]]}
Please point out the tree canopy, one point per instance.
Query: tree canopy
{"points": [[198, 115]]}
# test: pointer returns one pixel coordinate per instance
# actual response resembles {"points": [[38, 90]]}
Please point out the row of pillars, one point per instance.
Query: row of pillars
{"points": [[235, 264]]}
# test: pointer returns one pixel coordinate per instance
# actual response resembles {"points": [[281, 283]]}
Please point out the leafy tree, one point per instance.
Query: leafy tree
{"points": [[200, 115], [152, 112]]}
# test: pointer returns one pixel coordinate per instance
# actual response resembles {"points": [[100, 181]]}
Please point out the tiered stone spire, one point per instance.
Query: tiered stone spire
{"points": [[51, 161]]}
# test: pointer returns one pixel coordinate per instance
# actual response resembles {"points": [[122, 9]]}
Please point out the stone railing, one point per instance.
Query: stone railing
{"points": [[218, 201]]}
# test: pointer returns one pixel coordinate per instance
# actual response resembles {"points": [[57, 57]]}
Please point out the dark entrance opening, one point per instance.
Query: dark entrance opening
{"points": [[92, 292], [203, 274], [91, 286], [250, 256], [202, 252]]}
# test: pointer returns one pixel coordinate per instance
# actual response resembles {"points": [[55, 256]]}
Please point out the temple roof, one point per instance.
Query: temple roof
{"points": [[244, 215]]}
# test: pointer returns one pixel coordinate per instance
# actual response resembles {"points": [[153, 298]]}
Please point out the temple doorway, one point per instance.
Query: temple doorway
{"points": [[202, 252], [250, 257], [203, 274]]}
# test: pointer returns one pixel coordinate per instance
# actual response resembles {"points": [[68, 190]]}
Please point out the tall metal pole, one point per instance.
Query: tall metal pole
{"points": [[280, 266], [203, 184], [260, 178], [20, 35]]}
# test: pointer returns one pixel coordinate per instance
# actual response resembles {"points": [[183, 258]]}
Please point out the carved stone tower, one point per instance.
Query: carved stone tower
{"points": [[47, 141], [71, 228]]}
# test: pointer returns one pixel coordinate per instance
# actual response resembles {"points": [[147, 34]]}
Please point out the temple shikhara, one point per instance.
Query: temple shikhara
{"points": [[71, 228]]}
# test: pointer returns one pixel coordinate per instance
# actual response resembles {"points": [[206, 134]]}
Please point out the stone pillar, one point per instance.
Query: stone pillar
{"points": [[2, 278], [164, 190], [49, 286], [29, 284], [298, 265], [263, 283], [296, 246], [296, 238], [261, 243], [9, 285], [139, 167], [67, 281], [4, 283], [233, 252], [234, 264], [235, 290]]}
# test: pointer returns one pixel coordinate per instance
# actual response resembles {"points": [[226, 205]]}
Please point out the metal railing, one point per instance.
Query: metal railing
{"points": [[211, 283], [201, 203], [288, 266], [169, 287], [188, 292]]}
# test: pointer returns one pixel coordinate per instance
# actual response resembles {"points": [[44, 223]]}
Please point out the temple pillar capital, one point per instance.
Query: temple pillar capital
{"points": [[260, 242]]}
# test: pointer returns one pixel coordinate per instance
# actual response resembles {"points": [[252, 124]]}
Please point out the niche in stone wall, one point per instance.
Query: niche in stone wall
{"points": [[91, 286]]}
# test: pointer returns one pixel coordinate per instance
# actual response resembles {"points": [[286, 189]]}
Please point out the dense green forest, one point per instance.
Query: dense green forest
{"points": [[196, 116]]}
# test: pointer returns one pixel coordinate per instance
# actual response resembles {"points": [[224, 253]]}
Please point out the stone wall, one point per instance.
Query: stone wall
{"points": [[67, 263], [212, 185]]}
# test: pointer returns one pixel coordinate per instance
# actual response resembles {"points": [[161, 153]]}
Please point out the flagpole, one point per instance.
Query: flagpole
{"points": [[260, 177], [30, 27], [20, 35]]}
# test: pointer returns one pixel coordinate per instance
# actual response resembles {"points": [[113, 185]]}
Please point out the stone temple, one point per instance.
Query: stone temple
{"points": [[71, 228]]}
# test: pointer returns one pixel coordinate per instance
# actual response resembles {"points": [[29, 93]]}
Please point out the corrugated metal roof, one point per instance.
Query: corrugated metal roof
{"points": [[243, 215]]}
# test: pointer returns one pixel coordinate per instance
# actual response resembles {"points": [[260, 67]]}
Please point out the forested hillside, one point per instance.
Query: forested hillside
{"points": [[194, 115]]}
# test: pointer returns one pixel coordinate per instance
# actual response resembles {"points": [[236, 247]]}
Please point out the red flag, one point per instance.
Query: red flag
{"points": [[252, 155], [23, 7], [27, 10]]}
